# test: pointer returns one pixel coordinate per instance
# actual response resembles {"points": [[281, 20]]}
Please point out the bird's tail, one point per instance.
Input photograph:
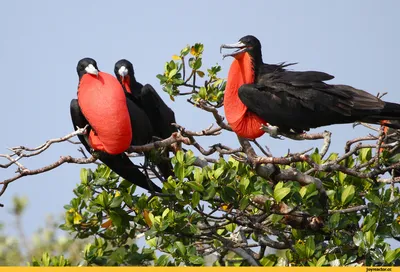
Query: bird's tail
{"points": [[125, 168], [388, 116]]}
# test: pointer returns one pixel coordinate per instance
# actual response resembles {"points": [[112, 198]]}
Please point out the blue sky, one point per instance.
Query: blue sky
{"points": [[356, 41]]}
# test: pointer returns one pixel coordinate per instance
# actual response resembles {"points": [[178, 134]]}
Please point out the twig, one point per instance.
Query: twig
{"points": [[350, 210], [27, 172]]}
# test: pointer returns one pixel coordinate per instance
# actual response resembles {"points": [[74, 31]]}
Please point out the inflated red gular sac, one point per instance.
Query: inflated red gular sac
{"points": [[102, 105], [295, 101]]}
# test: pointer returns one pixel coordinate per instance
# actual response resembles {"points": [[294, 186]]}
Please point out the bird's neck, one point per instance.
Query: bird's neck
{"points": [[241, 72], [131, 85]]}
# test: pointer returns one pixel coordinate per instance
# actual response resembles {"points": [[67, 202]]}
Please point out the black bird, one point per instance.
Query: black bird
{"points": [[145, 96], [294, 101], [114, 122]]}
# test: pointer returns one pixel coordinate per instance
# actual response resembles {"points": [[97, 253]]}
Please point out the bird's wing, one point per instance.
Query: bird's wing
{"points": [[78, 120], [160, 115], [301, 100], [142, 129]]}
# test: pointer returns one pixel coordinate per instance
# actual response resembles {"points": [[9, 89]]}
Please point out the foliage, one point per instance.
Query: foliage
{"points": [[228, 213], [21, 250]]}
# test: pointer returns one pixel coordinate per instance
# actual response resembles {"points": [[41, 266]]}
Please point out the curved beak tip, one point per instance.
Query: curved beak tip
{"points": [[90, 69], [123, 71]]}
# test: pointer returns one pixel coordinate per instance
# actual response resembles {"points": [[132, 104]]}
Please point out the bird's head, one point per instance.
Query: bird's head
{"points": [[125, 74], [123, 69], [249, 44], [87, 66]]}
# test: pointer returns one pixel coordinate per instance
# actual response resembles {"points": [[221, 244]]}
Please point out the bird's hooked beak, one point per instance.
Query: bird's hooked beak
{"points": [[241, 47], [90, 69], [123, 71]]}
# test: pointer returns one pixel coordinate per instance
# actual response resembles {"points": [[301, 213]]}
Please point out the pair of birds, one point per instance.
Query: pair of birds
{"points": [[120, 112], [256, 94]]}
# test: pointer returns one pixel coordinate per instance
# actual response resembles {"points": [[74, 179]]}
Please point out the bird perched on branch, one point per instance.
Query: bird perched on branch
{"points": [[159, 114], [115, 122], [257, 94]]}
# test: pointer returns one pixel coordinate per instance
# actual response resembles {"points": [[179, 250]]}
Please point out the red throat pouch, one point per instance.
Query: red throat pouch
{"points": [[243, 122], [103, 103]]}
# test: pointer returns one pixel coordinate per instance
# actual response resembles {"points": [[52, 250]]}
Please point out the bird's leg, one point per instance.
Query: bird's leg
{"points": [[273, 131]]}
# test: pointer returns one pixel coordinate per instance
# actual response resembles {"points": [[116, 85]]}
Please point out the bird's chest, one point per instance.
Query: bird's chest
{"points": [[248, 126]]}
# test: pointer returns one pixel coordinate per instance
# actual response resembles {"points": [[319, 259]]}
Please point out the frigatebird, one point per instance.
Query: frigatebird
{"points": [[115, 122], [146, 97], [295, 101]]}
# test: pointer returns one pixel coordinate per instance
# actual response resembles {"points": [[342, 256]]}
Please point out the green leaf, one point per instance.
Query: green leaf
{"points": [[268, 260], [244, 202], [371, 196], [369, 239], [244, 183], [115, 218], [334, 220], [165, 213], [218, 172], [303, 191], [369, 222], [197, 64], [394, 159], [365, 154], [195, 199], [390, 256], [321, 261], [162, 260], [300, 249], [181, 248], [347, 194], [172, 73], [196, 260], [358, 238], [195, 186], [280, 193], [341, 177], [203, 92], [275, 218], [179, 171], [316, 157], [310, 246], [231, 227], [185, 51], [228, 194], [106, 173], [116, 202], [198, 175], [179, 156], [209, 193], [84, 175], [190, 158], [101, 181], [377, 255]]}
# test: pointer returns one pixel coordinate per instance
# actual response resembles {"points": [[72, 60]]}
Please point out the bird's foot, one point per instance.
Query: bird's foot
{"points": [[273, 131], [82, 131]]}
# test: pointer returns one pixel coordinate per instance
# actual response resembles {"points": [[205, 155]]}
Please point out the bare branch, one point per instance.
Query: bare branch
{"points": [[27, 172]]}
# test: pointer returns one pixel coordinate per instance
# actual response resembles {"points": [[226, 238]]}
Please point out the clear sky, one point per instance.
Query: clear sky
{"points": [[41, 42]]}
